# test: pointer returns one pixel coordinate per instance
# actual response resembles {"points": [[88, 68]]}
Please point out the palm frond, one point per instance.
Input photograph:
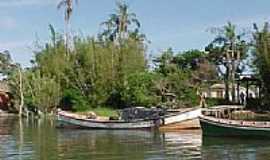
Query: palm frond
{"points": [[61, 4], [136, 21]]}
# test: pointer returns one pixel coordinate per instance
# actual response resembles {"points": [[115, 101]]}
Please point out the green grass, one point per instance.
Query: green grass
{"points": [[105, 111], [101, 111]]}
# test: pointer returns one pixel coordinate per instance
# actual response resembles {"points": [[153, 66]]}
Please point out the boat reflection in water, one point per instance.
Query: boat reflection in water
{"points": [[40, 140], [235, 148], [116, 144]]}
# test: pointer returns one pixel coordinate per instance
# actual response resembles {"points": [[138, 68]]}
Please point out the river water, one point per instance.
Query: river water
{"points": [[26, 140]]}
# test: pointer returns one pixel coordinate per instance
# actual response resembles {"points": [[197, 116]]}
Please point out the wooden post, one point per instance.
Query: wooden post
{"points": [[247, 90], [238, 92], [260, 87], [247, 96]]}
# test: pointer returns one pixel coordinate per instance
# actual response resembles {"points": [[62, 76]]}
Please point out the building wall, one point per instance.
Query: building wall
{"points": [[220, 93], [4, 101]]}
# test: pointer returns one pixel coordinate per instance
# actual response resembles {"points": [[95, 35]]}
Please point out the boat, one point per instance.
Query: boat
{"points": [[224, 127], [68, 119], [184, 120]]}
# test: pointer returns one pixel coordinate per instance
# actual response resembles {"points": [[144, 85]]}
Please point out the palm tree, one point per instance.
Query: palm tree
{"points": [[261, 43], [68, 4], [228, 49], [120, 24]]}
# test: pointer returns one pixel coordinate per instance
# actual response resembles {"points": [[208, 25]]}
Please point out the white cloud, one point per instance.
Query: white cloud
{"points": [[18, 3]]}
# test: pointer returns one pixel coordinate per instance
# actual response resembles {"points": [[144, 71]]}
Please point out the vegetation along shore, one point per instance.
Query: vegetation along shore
{"points": [[113, 69]]}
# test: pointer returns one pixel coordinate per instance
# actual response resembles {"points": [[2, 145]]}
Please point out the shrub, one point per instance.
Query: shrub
{"points": [[137, 91], [73, 100]]}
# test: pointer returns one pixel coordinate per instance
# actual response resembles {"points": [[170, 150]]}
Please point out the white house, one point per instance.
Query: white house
{"points": [[218, 91]]}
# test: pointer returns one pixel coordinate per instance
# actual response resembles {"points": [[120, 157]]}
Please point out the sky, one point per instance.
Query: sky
{"points": [[179, 24]]}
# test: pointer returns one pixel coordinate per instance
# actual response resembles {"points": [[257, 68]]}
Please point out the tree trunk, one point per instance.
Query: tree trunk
{"points": [[233, 81], [227, 80], [67, 41], [21, 93]]}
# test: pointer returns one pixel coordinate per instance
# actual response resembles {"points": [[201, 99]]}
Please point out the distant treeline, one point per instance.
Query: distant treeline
{"points": [[112, 69]]}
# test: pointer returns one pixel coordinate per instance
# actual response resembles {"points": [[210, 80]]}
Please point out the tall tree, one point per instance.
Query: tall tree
{"points": [[68, 4], [262, 58], [226, 51], [121, 30], [165, 62], [121, 24], [176, 76]]}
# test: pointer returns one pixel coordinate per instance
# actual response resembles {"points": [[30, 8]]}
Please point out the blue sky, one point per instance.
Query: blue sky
{"points": [[180, 24]]}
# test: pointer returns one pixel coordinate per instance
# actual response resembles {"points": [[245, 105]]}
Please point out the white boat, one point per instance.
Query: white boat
{"points": [[70, 119]]}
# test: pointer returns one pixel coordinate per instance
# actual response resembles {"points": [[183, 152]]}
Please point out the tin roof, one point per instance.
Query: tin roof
{"points": [[218, 86]]}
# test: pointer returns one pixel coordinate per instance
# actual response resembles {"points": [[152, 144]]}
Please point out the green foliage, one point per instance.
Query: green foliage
{"points": [[180, 84], [189, 59], [175, 76], [112, 69], [228, 50], [73, 100], [227, 39], [122, 25], [5, 63], [95, 70], [138, 90], [105, 111], [40, 91], [262, 59], [164, 63]]}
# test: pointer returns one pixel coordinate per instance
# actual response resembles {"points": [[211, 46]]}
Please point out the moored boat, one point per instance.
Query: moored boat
{"points": [[212, 126], [70, 119]]}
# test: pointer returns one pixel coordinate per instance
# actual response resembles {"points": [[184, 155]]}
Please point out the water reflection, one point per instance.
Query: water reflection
{"points": [[12, 145], [235, 148], [101, 144], [28, 139]]}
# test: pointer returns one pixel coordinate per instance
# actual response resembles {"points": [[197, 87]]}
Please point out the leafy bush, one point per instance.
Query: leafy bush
{"points": [[73, 100], [137, 91], [40, 92]]}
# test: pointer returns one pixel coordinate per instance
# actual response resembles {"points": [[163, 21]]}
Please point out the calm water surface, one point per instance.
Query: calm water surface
{"points": [[22, 140]]}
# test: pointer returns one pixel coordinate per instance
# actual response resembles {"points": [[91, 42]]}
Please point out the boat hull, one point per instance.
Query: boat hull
{"points": [[70, 122], [190, 124], [216, 129]]}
